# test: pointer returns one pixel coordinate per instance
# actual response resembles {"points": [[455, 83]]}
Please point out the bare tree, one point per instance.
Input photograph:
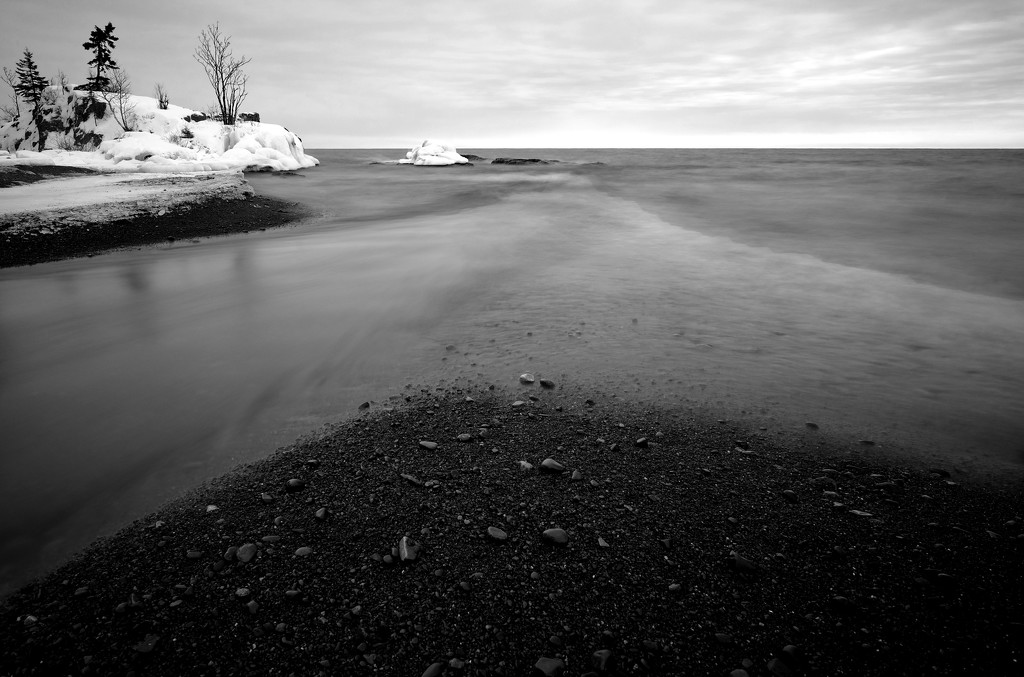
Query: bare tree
{"points": [[163, 99], [223, 70], [9, 111], [118, 97]]}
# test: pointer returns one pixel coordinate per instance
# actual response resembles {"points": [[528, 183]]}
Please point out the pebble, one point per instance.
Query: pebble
{"points": [[194, 554], [428, 445], [790, 496], [147, 644], [408, 549], [601, 660], [517, 404], [601, 542], [321, 514], [525, 466], [266, 498], [549, 667], [527, 378], [294, 485], [253, 606], [497, 534], [304, 551], [556, 536], [743, 564], [641, 443], [434, 670], [547, 383], [550, 465], [465, 437], [246, 552], [861, 513], [577, 476]]}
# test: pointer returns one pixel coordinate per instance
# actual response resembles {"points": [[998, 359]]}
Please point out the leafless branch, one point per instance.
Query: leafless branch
{"points": [[223, 70]]}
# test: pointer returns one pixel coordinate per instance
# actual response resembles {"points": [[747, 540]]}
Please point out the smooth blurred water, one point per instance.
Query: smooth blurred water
{"points": [[877, 293]]}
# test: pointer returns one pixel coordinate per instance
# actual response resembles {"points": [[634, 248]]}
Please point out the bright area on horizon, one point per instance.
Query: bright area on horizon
{"points": [[575, 73]]}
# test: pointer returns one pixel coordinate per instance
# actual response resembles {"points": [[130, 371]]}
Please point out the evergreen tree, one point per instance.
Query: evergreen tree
{"points": [[30, 85], [101, 44]]}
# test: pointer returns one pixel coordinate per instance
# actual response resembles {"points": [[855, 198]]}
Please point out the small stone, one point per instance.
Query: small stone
{"points": [[304, 551], [549, 667], [556, 536], [243, 593], [294, 484], [194, 554], [790, 496], [550, 465], [147, 644], [527, 378], [496, 534], [641, 443], [601, 660], [517, 404], [253, 606], [434, 670], [465, 437], [525, 466], [271, 538], [246, 553], [739, 672], [408, 549], [742, 564], [212, 508], [866, 443], [674, 587], [861, 513], [364, 406], [602, 543], [723, 638], [321, 514], [577, 476], [230, 553], [547, 383], [811, 426], [428, 445]]}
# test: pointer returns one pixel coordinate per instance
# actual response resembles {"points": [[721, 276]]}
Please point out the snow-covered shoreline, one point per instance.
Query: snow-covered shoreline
{"points": [[101, 198], [78, 129]]}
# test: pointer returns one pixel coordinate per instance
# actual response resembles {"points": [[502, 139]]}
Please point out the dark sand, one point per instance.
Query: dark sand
{"points": [[684, 556], [204, 219]]}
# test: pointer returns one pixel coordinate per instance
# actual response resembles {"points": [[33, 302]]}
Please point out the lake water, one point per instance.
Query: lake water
{"points": [[879, 294]]}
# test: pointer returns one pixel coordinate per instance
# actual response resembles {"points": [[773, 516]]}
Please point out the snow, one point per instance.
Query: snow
{"points": [[163, 141], [433, 154]]}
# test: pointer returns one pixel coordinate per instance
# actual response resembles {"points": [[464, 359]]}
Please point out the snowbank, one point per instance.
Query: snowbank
{"points": [[83, 132], [433, 154]]}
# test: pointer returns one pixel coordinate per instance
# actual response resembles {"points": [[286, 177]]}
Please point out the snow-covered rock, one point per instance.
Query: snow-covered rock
{"points": [[433, 153], [81, 131]]}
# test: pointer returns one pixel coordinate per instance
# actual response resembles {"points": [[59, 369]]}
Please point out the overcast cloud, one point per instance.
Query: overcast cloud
{"points": [[543, 73]]}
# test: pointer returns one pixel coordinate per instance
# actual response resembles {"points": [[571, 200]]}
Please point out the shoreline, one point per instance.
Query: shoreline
{"points": [[182, 213], [685, 554]]}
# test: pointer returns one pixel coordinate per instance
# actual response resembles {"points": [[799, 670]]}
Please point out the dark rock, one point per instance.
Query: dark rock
{"points": [[465, 437], [602, 660], [547, 383], [246, 553], [294, 485], [147, 645], [548, 667], [550, 465], [429, 446], [518, 161], [790, 496], [496, 534], [641, 443], [527, 379], [556, 536], [408, 549], [434, 670]]}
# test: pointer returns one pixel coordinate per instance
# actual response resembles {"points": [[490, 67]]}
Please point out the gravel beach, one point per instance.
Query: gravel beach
{"points": [[173, 208], [536, 531]]}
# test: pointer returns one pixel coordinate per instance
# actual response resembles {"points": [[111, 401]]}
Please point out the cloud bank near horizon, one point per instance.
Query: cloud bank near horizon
{"points": [[579, 73]]}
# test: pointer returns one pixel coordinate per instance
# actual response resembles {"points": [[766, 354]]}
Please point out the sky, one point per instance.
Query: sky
{"points": [[575, 73]]}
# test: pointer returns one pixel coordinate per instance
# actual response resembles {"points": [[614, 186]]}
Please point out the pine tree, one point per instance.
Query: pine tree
{"points": [[101, 44], [30, 85]]}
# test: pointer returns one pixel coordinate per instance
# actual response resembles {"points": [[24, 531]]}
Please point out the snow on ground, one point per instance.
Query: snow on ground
{"points": [[102, 198], [433, 154], [161, 141]]}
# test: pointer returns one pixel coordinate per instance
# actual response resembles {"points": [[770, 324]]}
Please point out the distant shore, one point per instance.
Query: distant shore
{"points": [[411, 541], [55, 235]]}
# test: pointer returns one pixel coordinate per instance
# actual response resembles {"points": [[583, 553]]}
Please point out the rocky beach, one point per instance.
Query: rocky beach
{"points": [[539, 530]]}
